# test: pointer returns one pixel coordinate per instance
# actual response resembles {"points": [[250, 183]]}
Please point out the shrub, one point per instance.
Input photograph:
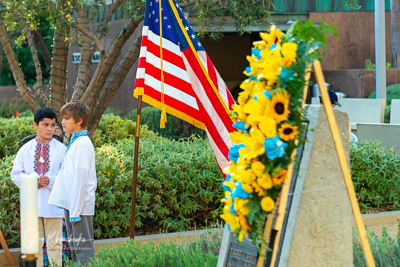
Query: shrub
{"points": [[9, 108], [112, 128], [178, 186], [12, 132], [392, 92], [201, 253], [9, 204], [174, 128], [375, 176], [385, 250]]}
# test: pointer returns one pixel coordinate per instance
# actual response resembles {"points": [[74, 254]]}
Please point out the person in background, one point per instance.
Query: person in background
{"points": [[335, 102]]}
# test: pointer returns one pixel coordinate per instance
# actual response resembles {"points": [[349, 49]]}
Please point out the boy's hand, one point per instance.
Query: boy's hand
{"points": [[43, 180], [73, 222], [38, 184]]}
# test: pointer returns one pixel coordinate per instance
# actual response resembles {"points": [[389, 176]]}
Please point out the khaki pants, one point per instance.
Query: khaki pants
{"points": [[52, 227]]}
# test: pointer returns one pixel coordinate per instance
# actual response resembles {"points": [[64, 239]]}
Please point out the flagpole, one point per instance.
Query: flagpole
{"points": [[135, 168]]}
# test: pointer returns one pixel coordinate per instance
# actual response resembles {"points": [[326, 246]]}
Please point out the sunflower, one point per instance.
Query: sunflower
{"points": [[288, 132], [279, 107], [280, 177]]}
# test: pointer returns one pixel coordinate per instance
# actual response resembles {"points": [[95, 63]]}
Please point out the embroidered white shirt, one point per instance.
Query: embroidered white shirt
{"points": [[33, 157], [76, 182]]}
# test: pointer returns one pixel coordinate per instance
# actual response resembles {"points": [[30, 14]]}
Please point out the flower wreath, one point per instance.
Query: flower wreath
{"points": [[268, 119]]}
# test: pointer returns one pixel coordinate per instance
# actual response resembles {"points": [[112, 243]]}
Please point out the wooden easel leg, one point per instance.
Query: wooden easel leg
{"points": [[343, 164], [282, 198], [5, 247]]}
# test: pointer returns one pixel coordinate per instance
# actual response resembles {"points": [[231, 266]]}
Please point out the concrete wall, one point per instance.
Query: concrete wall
{"points": [[319, 228], [356, 41]]}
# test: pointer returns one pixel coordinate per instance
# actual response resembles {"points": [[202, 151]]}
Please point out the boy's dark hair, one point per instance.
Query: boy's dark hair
{"points": [[77, 110], [43, 113]]}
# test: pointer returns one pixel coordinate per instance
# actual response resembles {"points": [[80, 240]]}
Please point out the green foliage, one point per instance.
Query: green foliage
{"points": [[112, 128], [375, 176], [178, 186], [12, 132], [174, 128], [370, 66], [385, 249], [9, 108], [392, 92], [386, 118], [201, 253], [9, 204]]}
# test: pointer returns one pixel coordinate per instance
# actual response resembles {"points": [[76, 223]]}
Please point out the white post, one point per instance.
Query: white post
{"points": [[380, 49]]}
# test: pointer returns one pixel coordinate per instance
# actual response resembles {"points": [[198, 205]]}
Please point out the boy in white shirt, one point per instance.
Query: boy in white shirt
{"points": [[75, 186], [43, 156]]}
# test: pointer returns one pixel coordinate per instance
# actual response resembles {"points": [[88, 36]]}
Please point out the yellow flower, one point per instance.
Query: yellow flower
{"points": [[242, 98], [235, 136], [268, 127], [239, 110], [392, 149], [247, 176], [247, 188], [258, 168], [271, 63], [232, 220], [267, 204], [251, 144], [243, 222], [265, 181], [289, 53], [288, 132], [280, 177], [274, 36], [257, 189], [257, 134], [240, 206], [242, 233], [279, 107]]}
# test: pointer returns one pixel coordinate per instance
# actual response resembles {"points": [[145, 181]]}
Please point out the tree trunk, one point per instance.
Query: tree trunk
{"points": [[38, 38], [16, 69], [58, 75], [395, 34], [114, 82], [85, 66], [112, 56], [38, 87]]}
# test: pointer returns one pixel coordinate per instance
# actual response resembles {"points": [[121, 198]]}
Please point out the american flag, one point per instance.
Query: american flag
{"points": [[188, 93]]}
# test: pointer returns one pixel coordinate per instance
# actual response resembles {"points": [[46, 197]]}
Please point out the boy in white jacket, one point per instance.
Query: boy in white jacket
{"points": [[43, 156], [75, 186]]}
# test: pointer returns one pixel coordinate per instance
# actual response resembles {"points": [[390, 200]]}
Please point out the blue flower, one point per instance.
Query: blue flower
{"points": [[267, 94], [226, 188], [286, 76], [274, 147], [256, 52], [234, 152], [241, 126], [272, 47], [251, 77], [232, 209], [239, 192]]}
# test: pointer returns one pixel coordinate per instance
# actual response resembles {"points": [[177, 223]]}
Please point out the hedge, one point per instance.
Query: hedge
{"points": [[174, 128], [178, 188]]}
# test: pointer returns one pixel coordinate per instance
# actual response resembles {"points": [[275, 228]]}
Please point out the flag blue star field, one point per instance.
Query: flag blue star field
{"points": [[180, 78]]}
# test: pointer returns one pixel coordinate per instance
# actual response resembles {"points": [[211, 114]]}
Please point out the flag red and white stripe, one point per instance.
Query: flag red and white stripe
{"points": [[188, 93]]}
